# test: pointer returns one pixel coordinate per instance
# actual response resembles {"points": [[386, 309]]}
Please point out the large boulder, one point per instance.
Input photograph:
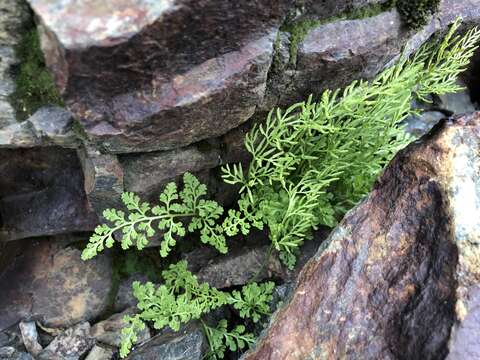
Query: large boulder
{"points": [[144, 76], [399, 277]]}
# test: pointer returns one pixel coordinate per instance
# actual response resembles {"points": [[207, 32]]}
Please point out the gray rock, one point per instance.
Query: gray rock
{"points": [[458, 103], [103, 176], [48, 126], [9, 353], [52, 284], [109, 331], [29, 333], [418, 126], [41, 193], [147, 174], [70, 345], [238, 268], [187, 344], [124, 298], [100, 353]]}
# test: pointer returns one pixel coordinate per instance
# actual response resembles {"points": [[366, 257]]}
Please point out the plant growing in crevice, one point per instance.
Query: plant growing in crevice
{"points": [[142, 221], [310, 164], [181, 298], [315, 160]]}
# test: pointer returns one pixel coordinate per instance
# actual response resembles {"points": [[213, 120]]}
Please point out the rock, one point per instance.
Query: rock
{"points": [[187, 344], [41, 193], [418, 126], [14, 15], [52, 284], [100, 353], [328, 8], [333, 54], [30, 337], [168, 88], [48, 126], [70, 345], [346, 50], [464, 340], [9, 353], [124, 298], [395, 277], [103, 179], [147, 174], [109, 331], [247, 262], [458, 103], [238, 268]]}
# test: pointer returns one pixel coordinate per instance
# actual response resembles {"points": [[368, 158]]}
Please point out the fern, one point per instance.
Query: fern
{"points": [[220, 339], [315, 160], [181, 299], [141, 223]]}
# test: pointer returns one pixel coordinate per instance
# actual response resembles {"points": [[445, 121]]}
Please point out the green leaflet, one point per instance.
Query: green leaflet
{"points": [[181, 299], [220, 339], [315, 160], [143, 220]]}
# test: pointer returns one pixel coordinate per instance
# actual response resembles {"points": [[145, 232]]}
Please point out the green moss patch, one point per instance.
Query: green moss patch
{"points": [[34, 83], [416, 13]]}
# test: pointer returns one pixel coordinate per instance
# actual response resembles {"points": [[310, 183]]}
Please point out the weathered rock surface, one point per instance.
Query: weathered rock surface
{"points": [[10, 353], [144, 76], [332, 55], [103, 179], [41, 193], [241, 267], [70, 345], [30, 338], [109, 331], [401, 270], [52, 284], [189, 343], [124, 298], [100, 353], [48, 126], [147, 174]]}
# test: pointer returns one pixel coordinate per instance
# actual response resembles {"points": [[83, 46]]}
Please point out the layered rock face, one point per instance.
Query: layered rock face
{"points": [[399, 277], [153, 89]]}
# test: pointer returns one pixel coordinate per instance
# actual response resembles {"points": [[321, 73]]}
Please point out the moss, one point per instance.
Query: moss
{"points": [[416, 13], [300, 28], [34, 83]]}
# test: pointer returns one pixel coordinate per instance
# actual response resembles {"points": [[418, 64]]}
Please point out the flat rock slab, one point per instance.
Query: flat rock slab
{"points": [[401, 271], [153, 75], [50, 283], [42, 193]]}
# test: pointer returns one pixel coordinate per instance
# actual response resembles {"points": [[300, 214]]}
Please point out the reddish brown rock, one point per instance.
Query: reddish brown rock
{"points": [[154, 75], [403, 267], [50, 283]]}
